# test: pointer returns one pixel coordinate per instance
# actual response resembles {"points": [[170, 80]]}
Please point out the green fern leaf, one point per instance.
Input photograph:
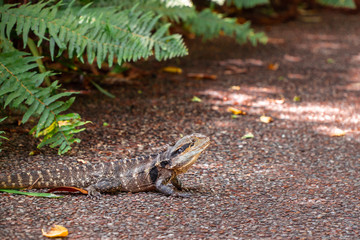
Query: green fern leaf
{"points": [[247, 3], [30, 111], [18, 87], [2, 132], [339, 3]]}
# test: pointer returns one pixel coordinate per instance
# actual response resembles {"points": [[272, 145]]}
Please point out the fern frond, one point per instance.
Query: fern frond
{"points": [[210, 24], [338, 3], [102, 33], [2, 132], [246, 3], [20, 85]]}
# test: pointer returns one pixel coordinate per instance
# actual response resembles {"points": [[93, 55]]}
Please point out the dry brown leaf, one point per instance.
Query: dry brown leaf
{"points": [[56, 231], [266, 119], [171, 69], [236, 111], [237, 62], [273, 66], [202, 76], [291, 58], [255, 62], [295, 76], [68, 189], [234, 70]]}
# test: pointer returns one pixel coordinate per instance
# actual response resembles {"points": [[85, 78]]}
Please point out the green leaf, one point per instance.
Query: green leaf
{"points": [[247, 136], [30, 112], [33, 194], [64, 106], [103, 91], [196, 99], [42, 120], [56, 97]]}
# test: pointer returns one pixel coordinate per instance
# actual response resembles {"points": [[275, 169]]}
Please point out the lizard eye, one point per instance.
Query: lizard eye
{"points": [[180, 150]]}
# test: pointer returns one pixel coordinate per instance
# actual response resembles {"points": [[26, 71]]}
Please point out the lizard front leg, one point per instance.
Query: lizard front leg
{"points": [[168, 191], [178, 184], [104, 185]]}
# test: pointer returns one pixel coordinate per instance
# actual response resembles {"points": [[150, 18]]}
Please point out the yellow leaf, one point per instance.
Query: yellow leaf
{"points": [[247, 135], [273, 66], [172, 70], [196, 99], [338, 133], [266, 119], [235, 87], [202, 76], [64, 123], [56, 231], [236, 111], [48, 129], [296, 99]]}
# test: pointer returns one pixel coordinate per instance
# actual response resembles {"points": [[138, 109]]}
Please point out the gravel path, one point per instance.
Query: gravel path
{"points": [[293, 180]]}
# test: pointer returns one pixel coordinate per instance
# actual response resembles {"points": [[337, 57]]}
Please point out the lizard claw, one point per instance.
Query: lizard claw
{"points": [[93, 194]]}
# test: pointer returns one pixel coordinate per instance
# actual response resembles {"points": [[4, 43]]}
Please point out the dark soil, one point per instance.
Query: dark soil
{"points": [[293, 180]]}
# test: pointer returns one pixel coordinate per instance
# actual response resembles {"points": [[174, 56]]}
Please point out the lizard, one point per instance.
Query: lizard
{"points": [[144, 173]]}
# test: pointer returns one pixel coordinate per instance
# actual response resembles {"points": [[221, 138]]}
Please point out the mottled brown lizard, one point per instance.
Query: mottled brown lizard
{"points": [[140, 174]]}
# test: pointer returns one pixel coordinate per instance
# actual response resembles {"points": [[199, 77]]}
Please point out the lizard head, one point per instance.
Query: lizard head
{"points": [[185, 152]]}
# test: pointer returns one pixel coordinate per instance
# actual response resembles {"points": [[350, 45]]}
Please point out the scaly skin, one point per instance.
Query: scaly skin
{"points": [[140, 174]]}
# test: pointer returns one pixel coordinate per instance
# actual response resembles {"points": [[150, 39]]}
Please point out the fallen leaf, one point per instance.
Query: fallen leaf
{"points": [[296, 99], [266, 119], [240, 62], [338, 133], [235, 88], [233, 116], [105, 124], [56, 231], [68, 189], [247, 136], [172, 70], [237, 62], [292, 58], [81, 161], [234, 70], [295, 76], [255, 62], [236, 111], [34, 152], [273, 66], [33, 194], [196, 99], [202, 76], [278, 101], [330, 60]]}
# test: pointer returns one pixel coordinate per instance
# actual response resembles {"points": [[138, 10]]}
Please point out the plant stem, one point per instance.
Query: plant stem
{"points": [[40, 64]]}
